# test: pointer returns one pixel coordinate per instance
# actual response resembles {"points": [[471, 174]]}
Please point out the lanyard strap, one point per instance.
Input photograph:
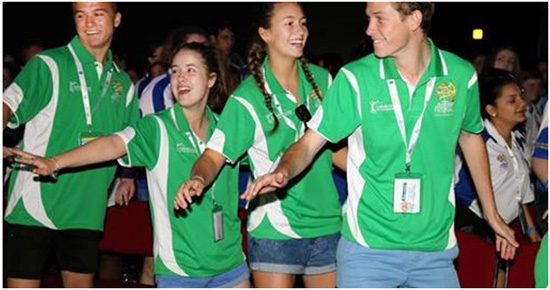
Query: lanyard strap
{"points": [[515, 165], [84, 88], [401, 122]]}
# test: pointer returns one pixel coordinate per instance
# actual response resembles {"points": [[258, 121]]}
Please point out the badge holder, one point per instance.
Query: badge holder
{"points": [[406, 192], [217, 217]]}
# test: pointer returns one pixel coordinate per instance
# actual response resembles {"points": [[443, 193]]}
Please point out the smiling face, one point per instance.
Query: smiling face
{"points": [[95, 24], [190, 79], [509, 107], [389, 30], [288, 33]]}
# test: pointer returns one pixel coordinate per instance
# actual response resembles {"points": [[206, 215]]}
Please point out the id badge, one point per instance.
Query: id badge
{"points": [[217, 217], [406, 193], [87, 137]]}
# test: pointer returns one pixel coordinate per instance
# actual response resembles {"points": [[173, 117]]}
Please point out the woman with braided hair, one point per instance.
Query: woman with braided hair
{"points": [[295, 230]]}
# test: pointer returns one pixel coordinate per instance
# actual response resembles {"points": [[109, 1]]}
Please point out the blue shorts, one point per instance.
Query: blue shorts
{"points": [[361, 267], [310, 256], [228, 279]]}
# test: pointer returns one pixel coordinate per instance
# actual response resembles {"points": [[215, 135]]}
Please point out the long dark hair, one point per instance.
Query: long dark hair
{"points": [[257, 54], [217, 96], [491, 83]]}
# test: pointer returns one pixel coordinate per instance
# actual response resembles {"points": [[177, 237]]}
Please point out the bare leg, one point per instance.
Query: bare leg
{"points": [[273, 280], [23, 283], [327, 280], [147, 273], [244, 284], [77, 280]]}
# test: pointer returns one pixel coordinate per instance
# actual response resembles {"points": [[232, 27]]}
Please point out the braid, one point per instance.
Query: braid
{"points": [[310, 78], [255, 57]]}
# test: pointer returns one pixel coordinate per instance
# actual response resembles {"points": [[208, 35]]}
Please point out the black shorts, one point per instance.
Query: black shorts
{"points": [[27, 248]]}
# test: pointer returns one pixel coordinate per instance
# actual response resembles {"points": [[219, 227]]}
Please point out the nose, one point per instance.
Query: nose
{"points": [[370, 28], [88, 20]]}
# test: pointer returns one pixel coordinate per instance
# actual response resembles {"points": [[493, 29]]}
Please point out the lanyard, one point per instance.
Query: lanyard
{"points": [[401, 122], [515, 164], [84, 89]]}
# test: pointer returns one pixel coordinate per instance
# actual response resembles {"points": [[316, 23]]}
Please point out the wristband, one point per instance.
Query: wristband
{"points": [[530, 230], [55, 171], [198, 177]]}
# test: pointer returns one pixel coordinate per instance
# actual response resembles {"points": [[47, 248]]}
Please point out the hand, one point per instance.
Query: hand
{"points": [[188, 189], [264, 184], [7, 152], [545, 215], [43, 166], [507, 251], [506, 243], [125, 191]]}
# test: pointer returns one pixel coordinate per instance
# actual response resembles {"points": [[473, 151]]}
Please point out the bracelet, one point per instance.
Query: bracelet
{"points": [[55, 171], [530, 230], [199, 178]]}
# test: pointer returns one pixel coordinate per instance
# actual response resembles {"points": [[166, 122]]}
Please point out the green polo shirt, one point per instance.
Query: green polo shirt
{"points": [[46, 96], [358, 105], [184, 241], [308, 206]]}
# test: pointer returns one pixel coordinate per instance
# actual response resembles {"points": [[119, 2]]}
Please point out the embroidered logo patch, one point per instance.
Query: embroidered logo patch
{"points": [[376, 106], [446, 94]]}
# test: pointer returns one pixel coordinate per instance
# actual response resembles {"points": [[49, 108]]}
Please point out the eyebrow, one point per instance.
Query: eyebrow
{"points": [[94, 10]]}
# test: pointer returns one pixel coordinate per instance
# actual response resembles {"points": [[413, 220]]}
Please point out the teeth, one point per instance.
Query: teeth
{"points": [[184, 90]]}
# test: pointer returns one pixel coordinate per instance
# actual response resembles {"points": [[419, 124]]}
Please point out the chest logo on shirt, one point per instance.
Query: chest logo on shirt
{"points": [[118, 89], [446, 94], [376, 106], [74, 87], [503, 162], [181, 148], [270, 119]]}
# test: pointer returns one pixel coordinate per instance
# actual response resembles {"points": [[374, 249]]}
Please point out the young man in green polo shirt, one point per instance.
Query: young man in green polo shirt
{"points": [[404, 109], [66, 97]]}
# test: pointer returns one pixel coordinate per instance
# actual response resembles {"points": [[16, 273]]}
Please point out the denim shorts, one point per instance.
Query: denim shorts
{"points": [[309, 256], [362, 267], [228, 279]]}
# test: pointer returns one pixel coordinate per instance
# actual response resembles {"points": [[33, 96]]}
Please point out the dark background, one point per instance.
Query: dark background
{"points": [[334, 27]]}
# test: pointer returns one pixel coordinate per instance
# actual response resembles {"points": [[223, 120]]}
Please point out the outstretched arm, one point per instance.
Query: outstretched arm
{"points": [[99, 150], [294, 161], [204, 172], [476, 157]]}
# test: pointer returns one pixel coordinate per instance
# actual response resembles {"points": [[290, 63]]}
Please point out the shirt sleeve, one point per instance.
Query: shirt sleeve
{"points": [[132, 106], [541, 144], [339, 114], [142, 142], [31, 91], [472, 115], [237, 126]]}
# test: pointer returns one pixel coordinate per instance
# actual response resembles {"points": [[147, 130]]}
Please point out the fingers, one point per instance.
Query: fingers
{"points": [[185, 193], [507, 251], [261, 185]]}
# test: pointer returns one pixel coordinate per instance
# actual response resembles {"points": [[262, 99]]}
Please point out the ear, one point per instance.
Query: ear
{"points": [[415, 20], [118, 18], [212, 80], [491, 110], [264, 34]]}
